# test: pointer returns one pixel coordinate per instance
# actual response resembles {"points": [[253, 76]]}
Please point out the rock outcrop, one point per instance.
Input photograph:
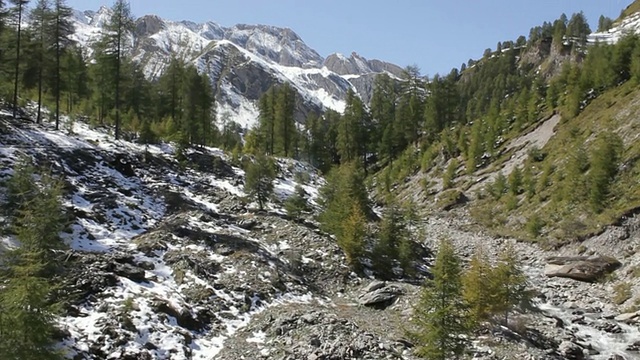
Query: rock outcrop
{"points": [[581, 268]]}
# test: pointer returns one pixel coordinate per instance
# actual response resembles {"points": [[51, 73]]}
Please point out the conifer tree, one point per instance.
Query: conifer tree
{"points": [[508, 283], [296, 204], [259, 179], [27, 323], [476, 291], [284, 121], [114, 40], [61, 29], [604, 160], [267, 127], [344, 188], [20, 7], [387, 247], [352, 236], [440, 315], [40, 17], [383, 108]]}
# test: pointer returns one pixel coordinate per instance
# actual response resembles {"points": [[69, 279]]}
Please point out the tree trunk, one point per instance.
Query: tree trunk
{"points": [[57, 81], [118, 50], [17, 74]]}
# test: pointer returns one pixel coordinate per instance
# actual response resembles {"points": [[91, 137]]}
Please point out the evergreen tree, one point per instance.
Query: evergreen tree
{"points": [[61, 29], [344, 188], [515, 181], [440, 315], [604, 160], [604, 23], [508, 283], [476, 292], [259, 179], [296, 204], [284, 121], [354, 131], [114, 40], [383, 108], [352, 236], [40, 17], [267, 127], [19, 8], [27, 323], [392, 234]]}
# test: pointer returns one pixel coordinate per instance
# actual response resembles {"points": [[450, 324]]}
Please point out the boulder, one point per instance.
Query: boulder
{"points": [[380, 296], [183, 316], [628, 317], [571, 350], [581, 268], [129, 271]]}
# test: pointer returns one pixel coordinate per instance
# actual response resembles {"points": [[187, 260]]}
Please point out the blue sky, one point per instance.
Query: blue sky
{"points": [[436, 35]]}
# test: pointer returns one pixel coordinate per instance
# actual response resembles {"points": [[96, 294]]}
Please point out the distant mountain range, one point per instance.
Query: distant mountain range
{"points": [[243, 61]]}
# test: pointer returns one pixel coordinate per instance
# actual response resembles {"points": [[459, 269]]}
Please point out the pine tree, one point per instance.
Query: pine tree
{"points": [[440, 315], [515, 181], [508, 283], [267, 127], [259, 180], [383, 107]]}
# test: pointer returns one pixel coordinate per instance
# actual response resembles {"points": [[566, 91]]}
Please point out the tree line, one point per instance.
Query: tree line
{"points": [[41, 62]]}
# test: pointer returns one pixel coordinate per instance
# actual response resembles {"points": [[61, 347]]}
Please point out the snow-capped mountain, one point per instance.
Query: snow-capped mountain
{"points": [[243, 61]]}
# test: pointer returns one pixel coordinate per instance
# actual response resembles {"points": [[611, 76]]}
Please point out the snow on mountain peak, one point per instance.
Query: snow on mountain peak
{"points": [[243, 61]]}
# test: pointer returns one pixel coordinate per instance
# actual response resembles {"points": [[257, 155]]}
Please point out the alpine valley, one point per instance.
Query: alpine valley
{"points": [[358, 210]]}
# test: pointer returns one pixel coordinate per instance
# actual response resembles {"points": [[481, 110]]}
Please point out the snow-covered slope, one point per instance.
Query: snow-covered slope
{"points": [[165, 261], [242, 61], [627, 25]]}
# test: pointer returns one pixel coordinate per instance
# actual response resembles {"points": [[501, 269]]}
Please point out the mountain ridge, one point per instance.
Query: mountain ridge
{"points": [[265, 55]]}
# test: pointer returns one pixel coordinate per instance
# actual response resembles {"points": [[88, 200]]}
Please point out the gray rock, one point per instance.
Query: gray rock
{"points": [[571, 350], [628, 317], [580, 268], [374, 285], [380, 297]]}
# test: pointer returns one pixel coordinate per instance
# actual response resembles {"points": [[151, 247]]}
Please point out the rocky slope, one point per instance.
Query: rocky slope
{"points": [[168, 261], [243, 61]]}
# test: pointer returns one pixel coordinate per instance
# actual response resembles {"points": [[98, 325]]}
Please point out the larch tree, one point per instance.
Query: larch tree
{"points": [[440, 316], [476, 291], [115, 39], [259, 179], [508, 283], [40, 16], [19, 8], [61, 30]]}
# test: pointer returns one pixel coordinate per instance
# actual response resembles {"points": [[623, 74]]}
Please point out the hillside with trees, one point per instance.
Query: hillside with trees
{"points": [[413, 225]]}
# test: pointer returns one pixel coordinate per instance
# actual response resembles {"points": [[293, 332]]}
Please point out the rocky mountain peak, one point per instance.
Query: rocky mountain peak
{"points": [[281, 45], [149, 25], [356, 64], [101, 17]]}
